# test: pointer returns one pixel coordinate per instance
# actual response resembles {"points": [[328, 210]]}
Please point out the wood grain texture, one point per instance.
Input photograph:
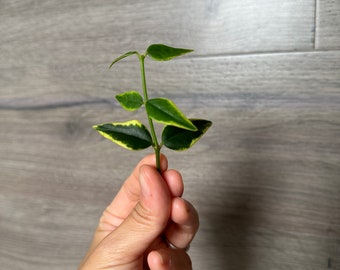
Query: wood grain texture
{"points": [[267, 187], [265, 178], [40, 31], [328, 25]]}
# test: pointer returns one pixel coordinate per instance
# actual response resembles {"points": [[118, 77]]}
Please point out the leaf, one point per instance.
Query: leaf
{"points": [[130, 100], [166, 112], [160, 52], [132, 135], [180, 139], [122, 57]]}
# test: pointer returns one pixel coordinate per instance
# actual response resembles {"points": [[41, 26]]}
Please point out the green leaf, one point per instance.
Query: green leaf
{"points": [[132, 135], [130, 100], [160, 52], [166, 112], [181, 139], [122, 57]]}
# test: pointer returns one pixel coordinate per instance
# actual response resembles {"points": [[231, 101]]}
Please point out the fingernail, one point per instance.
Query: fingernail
{"points": [[144, 185]]}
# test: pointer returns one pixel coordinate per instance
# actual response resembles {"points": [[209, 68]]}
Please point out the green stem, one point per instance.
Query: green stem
{"points": [[156, 146]]}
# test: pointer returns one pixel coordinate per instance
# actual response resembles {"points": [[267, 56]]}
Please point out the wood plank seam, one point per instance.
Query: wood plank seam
{"points": [[316, 8]]}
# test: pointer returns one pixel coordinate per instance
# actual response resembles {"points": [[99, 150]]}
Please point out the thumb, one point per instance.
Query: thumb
{"points": [[147, 220]]}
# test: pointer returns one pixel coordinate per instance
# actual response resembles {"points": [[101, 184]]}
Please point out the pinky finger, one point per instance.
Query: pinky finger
{"points": [[169, 259]]}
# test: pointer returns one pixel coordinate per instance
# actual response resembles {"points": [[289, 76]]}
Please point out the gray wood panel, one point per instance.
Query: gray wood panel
{"points": [[328, 24], [267, 186], [265, 178], [40, 31]]}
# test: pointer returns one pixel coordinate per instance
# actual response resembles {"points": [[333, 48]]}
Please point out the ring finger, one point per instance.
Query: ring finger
{"points": [[183, 225]]}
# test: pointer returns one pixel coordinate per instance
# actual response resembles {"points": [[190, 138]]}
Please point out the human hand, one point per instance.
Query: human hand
{"points": [[147, 213]]}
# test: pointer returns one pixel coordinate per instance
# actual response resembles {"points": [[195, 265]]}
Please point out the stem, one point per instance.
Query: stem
{"points": [[155, 145]]}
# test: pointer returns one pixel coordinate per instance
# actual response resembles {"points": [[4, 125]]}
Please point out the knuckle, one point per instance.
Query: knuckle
{"points": [[143, 216]]}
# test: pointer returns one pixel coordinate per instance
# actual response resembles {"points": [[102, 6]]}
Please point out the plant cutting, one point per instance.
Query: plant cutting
{"points": [[179, 132]]}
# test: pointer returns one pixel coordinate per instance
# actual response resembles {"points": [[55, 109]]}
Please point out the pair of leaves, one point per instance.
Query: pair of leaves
{"points": [[133, 135], [161, 110]]}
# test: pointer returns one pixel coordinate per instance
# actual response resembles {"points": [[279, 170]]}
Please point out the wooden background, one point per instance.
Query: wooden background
{"points": [[265, 179]]}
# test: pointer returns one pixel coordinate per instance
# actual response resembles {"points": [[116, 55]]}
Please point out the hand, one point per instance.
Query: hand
{"points": [[147, 213]]}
